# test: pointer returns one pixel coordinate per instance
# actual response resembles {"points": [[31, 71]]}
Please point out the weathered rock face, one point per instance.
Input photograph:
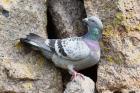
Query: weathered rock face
{"points": [[119, 66], [80, 85], [21, 69], [67, 17]]}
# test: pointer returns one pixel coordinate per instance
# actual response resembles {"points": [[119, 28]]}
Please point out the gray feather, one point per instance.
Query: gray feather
{"points": [[37, 43], [81, 52]]}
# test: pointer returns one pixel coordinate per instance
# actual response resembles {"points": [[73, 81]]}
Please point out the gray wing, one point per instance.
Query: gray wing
{"points": [[69, 48]]}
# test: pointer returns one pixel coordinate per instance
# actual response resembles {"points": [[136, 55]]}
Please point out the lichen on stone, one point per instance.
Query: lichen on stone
{"points": [[108, 30], [109, 58], [118, 19]]}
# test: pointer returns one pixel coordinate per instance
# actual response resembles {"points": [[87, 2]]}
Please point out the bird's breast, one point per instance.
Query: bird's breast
{"points": [[93, 45]]}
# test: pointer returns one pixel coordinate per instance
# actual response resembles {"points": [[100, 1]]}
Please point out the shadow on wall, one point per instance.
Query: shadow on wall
{"points": [[51, 29]]}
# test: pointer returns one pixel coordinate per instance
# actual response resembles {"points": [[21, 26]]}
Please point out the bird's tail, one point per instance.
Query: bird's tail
{"points": [[37, 43]]}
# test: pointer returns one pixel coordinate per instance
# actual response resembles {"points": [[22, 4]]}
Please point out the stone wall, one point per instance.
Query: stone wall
{"points": [[24, 70], [21, 69], [119, 66]]}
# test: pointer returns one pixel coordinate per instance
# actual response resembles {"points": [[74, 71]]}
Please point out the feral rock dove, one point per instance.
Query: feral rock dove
{"points": [[74, 52]]}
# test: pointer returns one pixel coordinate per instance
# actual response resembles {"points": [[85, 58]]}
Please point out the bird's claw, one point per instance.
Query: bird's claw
{"points": [[75, 74]]}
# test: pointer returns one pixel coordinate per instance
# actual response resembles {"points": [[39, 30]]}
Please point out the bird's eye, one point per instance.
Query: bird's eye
{"points": [[92, 21]]}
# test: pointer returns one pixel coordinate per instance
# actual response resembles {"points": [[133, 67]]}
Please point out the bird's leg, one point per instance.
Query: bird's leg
{"points": [[74, 73]]}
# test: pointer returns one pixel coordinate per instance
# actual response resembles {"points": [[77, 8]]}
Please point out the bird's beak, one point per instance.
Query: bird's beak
{"points": [[85, 20]]}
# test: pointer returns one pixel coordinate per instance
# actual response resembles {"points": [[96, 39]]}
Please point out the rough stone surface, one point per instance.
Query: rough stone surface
{"points": [[122, 91], [67, 17], [80, 85], [119, 66], [21, 69]]}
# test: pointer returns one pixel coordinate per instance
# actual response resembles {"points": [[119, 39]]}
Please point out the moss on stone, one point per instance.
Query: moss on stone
{"points": [[117, 21], [106, 49], [116, 58], [123, 19], [120, 19], [119, 58], [109, 58], [108, 30], [122, 22]]}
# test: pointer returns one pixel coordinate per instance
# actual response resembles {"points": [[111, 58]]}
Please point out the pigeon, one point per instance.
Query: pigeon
{"points": [[73, 53]]}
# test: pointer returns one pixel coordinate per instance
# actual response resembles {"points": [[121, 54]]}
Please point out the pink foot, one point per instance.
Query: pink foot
{"points": [[75, 74]]}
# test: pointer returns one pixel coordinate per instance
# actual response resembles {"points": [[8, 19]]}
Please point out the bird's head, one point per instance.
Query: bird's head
{"points": [[94, 26], [93, 21]]}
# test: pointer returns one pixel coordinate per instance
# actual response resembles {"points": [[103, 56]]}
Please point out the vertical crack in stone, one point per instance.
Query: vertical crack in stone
{"points": [[51, 29], [67, 17], [65, 20]]}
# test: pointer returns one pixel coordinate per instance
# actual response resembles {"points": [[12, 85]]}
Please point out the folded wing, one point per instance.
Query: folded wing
{"points": [[69, 48]]}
